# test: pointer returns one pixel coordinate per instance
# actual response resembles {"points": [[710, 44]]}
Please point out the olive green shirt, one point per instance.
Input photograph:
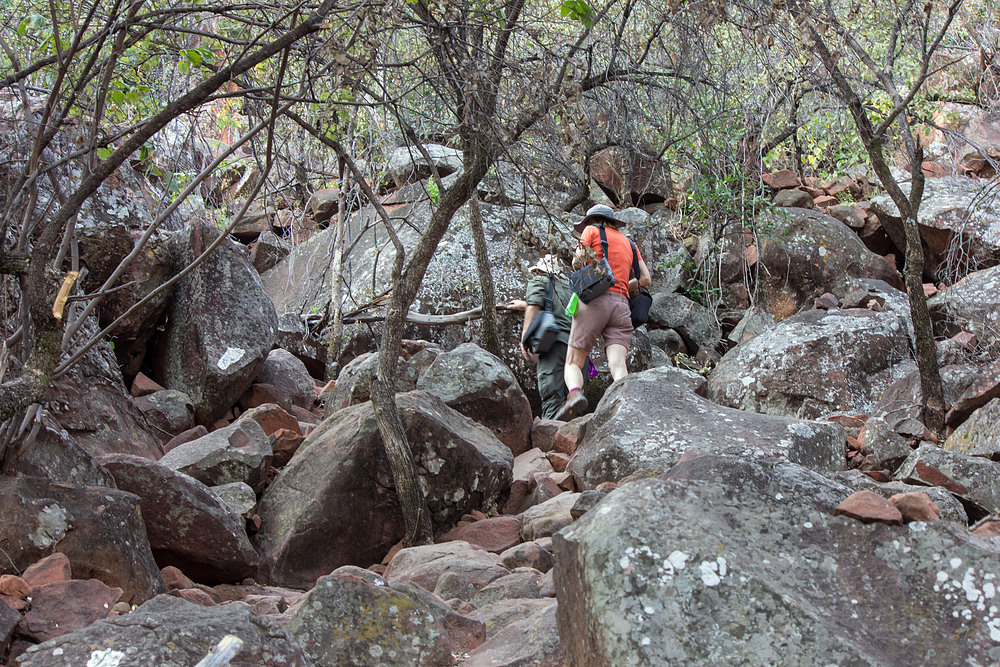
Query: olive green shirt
{"points": [[535, 296]]}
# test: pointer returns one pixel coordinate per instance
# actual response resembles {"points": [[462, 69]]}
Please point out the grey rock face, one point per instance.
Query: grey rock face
{"points": [[695, 323], [881, 441], [979, 435], [407, 164], [237, 496], [220, 326], [477, 384], [48, 451], [970, 305], [334, 503], [352, 617], [355, 379], [285, 371], [188, 526], [240, 452], [168, 410], [648, 420], [899, 405], [100, 531], [712, 572], [533, 640], [952, 210], [813, 364], [170, 632]]}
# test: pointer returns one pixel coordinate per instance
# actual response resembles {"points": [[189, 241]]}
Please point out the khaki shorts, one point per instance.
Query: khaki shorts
{"points": [[608, 315]]}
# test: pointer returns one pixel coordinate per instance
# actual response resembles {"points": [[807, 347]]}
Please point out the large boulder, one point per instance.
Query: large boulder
{"points": [[406, 164], [814, 363], [649, 419], [711, 571], [355, 379], [695, 323], [49, 451], [900, 404], [426, 566], [188, 525], [100, 530], [629, 178], [980, 434], [170, 632], [956, 214], [335, 503], [91, 403], [240, 452], [285, 371], [220, 325], [353, 616], [477, 384], [970, 305], [800, 254], [533, 640]]}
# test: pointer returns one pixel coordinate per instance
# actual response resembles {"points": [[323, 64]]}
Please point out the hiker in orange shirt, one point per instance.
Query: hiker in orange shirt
{"points": [[608, 315]]}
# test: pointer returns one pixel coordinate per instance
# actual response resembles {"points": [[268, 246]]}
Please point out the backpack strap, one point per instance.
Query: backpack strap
{"points": [[548, 294], [604, 241], [635, 259]]}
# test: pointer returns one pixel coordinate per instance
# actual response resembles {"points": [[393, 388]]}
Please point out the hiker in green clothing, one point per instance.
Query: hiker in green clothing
{"points": [[551, 385]]}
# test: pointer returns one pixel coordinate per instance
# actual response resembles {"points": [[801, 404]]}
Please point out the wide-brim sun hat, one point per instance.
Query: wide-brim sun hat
{"points": [[546, 264], [597, 213]]}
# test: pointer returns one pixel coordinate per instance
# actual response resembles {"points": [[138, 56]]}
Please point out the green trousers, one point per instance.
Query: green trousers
{"points": [[551, 384]]}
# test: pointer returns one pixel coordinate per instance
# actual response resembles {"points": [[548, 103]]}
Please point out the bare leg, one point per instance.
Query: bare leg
{"points": [[616, 361], [573, 371]]}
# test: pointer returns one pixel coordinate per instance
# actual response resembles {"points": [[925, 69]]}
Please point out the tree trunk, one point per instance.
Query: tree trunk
{"points": [[490, 337], [336, 271], [405, 285]]}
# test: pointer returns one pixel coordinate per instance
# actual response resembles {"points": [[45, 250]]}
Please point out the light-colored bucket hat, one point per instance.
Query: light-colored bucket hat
{"points": [[598, 213], [550, 264]]}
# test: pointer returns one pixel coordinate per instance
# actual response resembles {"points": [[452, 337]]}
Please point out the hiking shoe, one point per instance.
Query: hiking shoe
{"points": [[576, 404]]}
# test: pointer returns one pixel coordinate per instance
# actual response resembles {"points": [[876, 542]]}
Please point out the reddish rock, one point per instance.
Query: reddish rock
{"points": [[496, 535], [14, 586], [916, 506], [564, 480], [66, 606], [530, 462], [848, 421], [272, 417], [185, 437], [528, 554], [143, 386], [261, 394], [815, 193], [219, 424], [519, 490], [825, 201], [16, 603], [558, 461], [783, 179], [826, 301], [934, 170], [396, 548], [930, 289], [988, 527], [569, 435], [285, 443], [174, 579], [542, 433], [48, 570], [195, 595], [543, 488], [966, 339], [305, 416], [868, 506]]}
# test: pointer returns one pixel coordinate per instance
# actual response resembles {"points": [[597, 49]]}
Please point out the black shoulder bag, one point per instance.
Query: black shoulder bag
{"points": [[641, 302], [543, 331], [597, 277]]}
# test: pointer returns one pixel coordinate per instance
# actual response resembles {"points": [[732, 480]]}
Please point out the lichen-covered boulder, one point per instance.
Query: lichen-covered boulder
{"points": [[533, 640], [477, 384], [353, 616], [240, 452], [220, 325], [954, 210], [900, 404], [970, 305], [800, 254], [814, 363], [170, 632], [188, 525], [979, 435], [335, 503], [649, 419], [974, 478], [100, 530], [711, 571]]}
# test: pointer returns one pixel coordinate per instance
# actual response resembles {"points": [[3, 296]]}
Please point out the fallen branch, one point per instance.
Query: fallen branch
{"points": [[423, 318]]}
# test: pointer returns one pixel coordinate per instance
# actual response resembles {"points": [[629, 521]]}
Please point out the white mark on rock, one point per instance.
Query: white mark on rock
{"points": [[822, 251], [955, 562], [678, 559], [106, 658], [713, 572], [230, 357]]}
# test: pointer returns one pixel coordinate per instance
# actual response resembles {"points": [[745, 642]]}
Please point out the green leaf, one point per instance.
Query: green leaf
{"points": [[104, 153], [578, 10], [193, 56], [118, 97]]}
